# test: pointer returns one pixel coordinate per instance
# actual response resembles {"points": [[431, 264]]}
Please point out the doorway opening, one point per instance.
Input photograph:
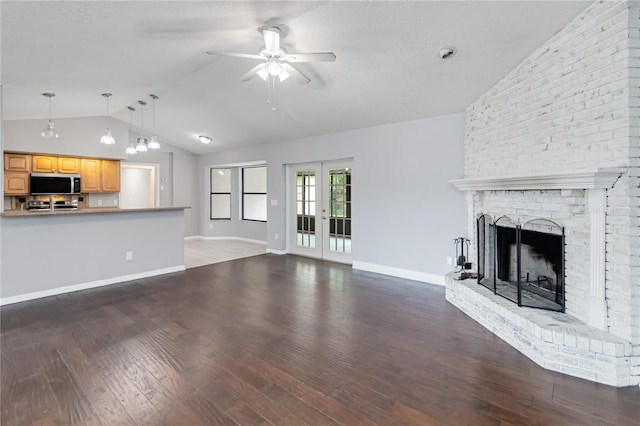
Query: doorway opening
{"points": [[139, 186]]}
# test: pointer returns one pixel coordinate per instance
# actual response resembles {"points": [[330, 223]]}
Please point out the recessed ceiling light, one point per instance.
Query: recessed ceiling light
{"points": [[205, 139]]}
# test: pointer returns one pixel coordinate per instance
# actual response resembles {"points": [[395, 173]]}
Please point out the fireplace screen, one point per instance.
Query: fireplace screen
{"points": [[525, 263]]}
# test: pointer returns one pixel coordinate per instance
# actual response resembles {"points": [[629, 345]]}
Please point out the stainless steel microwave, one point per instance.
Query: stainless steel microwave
{"points": [[54, 184]]}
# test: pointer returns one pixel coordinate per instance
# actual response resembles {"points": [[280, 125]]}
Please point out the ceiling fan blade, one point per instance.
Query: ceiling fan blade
{"points": [[271, 39], [311, 57], [252, 72], [237, 55], [297, 75]]}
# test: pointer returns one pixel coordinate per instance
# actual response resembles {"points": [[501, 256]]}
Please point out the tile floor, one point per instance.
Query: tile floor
{"points": [[200, 252]]}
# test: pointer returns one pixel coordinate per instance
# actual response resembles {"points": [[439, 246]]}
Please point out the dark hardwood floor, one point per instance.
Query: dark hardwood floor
{"points": [[279, 340]]}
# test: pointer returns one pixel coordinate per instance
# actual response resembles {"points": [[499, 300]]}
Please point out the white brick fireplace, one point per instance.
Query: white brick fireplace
{"points": [[559, 138]]}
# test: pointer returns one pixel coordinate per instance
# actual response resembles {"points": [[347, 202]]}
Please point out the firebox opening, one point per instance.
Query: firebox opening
{"points": [[523, 265]]}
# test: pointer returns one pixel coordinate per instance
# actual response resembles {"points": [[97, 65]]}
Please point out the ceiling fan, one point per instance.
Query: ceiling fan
{"points": [[277, 60]]}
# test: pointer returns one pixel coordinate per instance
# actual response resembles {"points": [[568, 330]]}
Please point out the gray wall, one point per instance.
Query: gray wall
{"points": [[53, 251], [405, 213], [80, 137]]}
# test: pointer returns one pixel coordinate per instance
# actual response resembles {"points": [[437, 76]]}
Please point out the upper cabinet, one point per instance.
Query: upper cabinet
{"points": [[100, 175], [17, 162], [68, 165], [44, 164], [110, 176], [90, 177], [96, 175]]}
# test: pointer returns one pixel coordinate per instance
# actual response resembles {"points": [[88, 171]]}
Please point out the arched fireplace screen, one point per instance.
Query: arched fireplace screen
{"points": [[523, 263]]}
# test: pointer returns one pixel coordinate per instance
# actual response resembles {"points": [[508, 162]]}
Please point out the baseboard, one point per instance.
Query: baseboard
{"points": [[84, 286], [400, 273], [279, 252], [248, 240]]}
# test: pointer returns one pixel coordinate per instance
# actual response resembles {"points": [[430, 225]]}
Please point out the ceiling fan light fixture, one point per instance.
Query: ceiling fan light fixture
{"points": [[274, 67], [205, 139], [283, 75], [263, 73]]}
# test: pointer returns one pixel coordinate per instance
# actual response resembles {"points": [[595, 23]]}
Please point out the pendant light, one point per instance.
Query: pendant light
{"points": [[107, 138], [153, 143], [131, 149], [141, 146], [49, 131]]}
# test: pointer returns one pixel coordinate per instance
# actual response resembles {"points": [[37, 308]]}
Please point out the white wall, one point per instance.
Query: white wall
{"points": [[405, 214]]}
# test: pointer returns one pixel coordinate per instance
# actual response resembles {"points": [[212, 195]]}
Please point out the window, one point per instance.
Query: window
{"points": [[220, 204], [254, 193]]}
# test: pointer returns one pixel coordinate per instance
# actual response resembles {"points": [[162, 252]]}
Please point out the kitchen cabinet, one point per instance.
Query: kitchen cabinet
{"points": [[68, 165], [110, 176], [17, 162], [16, 183], [44, 164], [90, 176]]}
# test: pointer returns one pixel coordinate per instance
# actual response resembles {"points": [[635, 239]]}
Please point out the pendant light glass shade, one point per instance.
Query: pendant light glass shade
{"points": [[107, 138], [153, 143], [142, 145], [49, 131], [131, 149]]}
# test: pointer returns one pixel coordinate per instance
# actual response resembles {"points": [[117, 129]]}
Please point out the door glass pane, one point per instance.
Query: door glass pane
{"points": [[340, 210], [306, 209]]}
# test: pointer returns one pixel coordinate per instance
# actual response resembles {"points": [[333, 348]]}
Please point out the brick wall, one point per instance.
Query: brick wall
{"points": [[634, 179], [574, 103]]}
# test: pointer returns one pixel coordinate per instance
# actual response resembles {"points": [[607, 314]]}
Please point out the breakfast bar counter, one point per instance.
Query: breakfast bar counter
{"points": [[85, 248], [88, 210]]}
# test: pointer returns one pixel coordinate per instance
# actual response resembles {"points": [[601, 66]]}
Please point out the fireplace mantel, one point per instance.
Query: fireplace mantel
{"points": [[600, 178]]}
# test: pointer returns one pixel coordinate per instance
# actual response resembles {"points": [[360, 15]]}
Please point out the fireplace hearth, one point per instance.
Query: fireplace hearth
{"points": [[522, 263]]}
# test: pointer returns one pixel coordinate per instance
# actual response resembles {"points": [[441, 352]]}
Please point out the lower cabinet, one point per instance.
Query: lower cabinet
{"points": [[16, 183]]}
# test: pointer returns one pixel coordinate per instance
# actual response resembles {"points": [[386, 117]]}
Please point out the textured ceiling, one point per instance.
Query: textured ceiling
{"points": [[387, 68]]}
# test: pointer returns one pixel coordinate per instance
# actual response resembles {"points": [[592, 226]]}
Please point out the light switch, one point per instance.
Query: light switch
{"points": [[274, 203]]}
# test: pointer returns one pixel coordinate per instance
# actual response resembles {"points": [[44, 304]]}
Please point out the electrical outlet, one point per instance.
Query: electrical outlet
{"points": [[211, 226], [115, 202], [99, 202], [128, 255], [449, 260], [275, 236]]}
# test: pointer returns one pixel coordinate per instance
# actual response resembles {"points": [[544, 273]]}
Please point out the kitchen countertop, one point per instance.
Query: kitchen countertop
{"points": [[87, 210]]}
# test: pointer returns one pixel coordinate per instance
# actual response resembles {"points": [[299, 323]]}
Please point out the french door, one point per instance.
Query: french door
{"points": [[320, 215]]}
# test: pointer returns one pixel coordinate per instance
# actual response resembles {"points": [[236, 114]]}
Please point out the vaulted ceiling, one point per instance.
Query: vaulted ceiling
{"points": [[387, 68]]}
